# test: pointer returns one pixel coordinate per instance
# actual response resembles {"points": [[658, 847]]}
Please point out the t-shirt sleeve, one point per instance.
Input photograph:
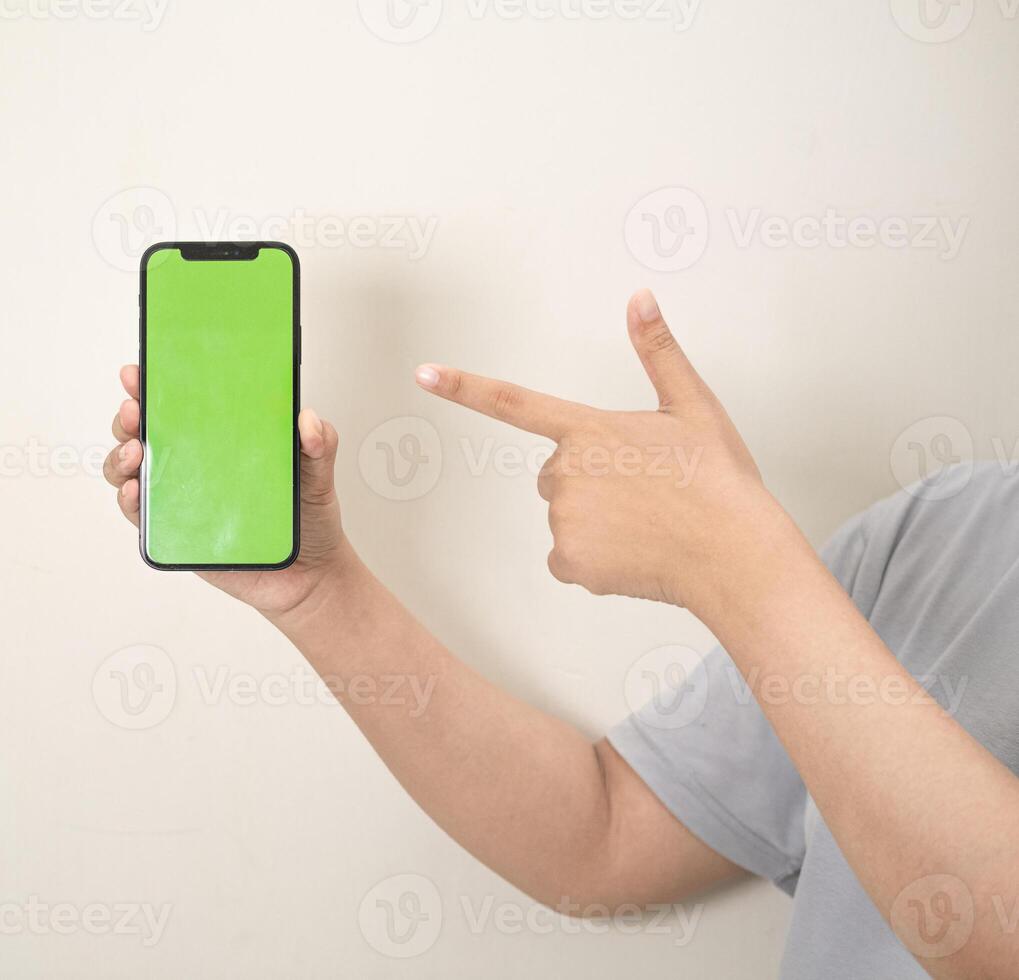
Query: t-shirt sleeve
{"points": [[704, 747]]}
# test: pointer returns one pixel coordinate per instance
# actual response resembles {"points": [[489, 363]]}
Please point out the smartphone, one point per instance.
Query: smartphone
{"points": [[220, 353]]}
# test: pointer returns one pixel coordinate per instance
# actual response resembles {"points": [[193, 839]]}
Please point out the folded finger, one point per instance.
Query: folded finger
{"points": [[129, 378], [122, 463], [547, 476], [125, 422], [128, 500]]}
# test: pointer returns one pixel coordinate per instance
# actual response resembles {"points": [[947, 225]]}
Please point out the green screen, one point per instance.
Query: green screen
{"points": [[218, 480]]}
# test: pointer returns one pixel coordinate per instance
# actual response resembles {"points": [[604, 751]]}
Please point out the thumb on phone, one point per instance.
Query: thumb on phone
{"points": [[319, 442]]}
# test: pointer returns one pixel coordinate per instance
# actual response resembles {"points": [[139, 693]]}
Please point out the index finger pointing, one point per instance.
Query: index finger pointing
{"points": [[541, 414]]}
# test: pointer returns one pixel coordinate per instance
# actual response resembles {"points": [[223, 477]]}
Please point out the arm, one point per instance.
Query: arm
{"points": [[527, 794], [906, 791], [923, 812], [522, 791]]}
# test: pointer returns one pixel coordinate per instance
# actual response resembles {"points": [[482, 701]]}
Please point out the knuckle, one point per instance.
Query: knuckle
{"points": [[548, 475], [557, 567], [109, 468], [566, 553], [659, 339], [504, 400], [456, 383]]}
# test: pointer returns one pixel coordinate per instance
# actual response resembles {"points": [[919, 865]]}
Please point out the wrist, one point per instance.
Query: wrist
{"points": [[742, 566], [336, 579]]}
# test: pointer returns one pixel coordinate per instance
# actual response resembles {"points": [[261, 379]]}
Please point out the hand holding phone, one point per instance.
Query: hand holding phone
{"points": [[324, 549]]}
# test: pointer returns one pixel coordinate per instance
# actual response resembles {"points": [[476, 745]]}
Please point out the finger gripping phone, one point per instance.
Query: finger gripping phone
{"points": [[219, 353]]}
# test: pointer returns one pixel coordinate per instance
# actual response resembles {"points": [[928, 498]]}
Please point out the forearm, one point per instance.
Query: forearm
{"points": [[904, 789], [519, 789]]}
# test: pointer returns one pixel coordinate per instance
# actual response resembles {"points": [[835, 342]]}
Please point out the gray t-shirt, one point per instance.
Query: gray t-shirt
{"points": [[936, 572]]}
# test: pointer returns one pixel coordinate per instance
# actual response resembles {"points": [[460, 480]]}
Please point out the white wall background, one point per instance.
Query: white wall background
{"points": [[526, 140]]}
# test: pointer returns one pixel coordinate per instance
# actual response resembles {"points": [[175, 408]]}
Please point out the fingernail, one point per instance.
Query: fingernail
{"points": [[647, 306], [315, 420], [427, 376]]}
